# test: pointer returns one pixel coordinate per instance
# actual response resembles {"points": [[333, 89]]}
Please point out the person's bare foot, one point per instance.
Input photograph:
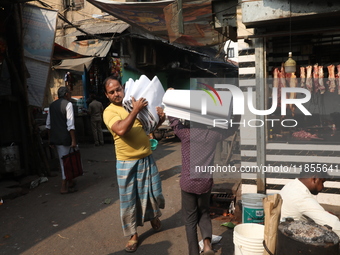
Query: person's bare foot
{"points": [[207, 250]]}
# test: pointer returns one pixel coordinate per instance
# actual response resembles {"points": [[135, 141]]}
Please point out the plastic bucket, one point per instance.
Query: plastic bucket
{"points": [[153, 143], [252, 208], [248, 239]]}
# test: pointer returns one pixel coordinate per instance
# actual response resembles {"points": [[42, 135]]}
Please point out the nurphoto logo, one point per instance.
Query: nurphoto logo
{"points": [[209, 93], [238, 104]]}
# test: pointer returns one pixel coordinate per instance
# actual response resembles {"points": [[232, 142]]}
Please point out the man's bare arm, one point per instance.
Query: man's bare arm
{"points": [[121, 127], [161, 116]]}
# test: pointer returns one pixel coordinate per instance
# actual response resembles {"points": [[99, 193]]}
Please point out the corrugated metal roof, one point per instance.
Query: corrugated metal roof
{"points": [[162, 19], [102, 28]]}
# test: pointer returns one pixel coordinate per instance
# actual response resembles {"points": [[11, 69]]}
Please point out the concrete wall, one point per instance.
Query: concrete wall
{"points": [[269, 10], [78, 15]]}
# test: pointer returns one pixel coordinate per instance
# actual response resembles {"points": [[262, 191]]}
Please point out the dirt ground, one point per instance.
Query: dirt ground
{"points": [[87, 222]]}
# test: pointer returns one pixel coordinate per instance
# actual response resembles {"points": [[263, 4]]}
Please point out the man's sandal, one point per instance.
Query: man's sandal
{"points": [[72, 184], [156, 224], [131, 246], [210, 252]]}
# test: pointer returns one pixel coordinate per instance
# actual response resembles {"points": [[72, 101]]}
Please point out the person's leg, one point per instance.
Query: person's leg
{"points": [[94, 132], [62, 150], [126, 176], [205, 220], [100, 132], [127, 183], [150, 197], [190, 217]]}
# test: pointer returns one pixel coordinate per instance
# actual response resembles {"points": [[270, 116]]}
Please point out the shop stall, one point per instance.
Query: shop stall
{"points": [[296, 134], [318, 71]]}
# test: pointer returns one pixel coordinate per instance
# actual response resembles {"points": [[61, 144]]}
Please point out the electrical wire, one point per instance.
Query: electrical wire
{"points": [[290, 25]]}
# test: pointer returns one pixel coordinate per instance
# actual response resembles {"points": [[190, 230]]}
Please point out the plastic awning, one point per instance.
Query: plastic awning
{"points": [[60, 53], [88, 48], [91, 47], [75, 64]]}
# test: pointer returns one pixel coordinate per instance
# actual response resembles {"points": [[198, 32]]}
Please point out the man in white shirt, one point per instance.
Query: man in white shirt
{"points": [[298, 200], [61, 130]]}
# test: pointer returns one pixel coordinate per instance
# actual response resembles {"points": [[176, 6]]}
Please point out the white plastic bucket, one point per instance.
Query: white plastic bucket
{"points": [[248, 239], [252, 208]]}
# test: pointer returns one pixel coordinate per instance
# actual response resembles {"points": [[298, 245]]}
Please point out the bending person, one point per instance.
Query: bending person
{"points": [[298, 200]]}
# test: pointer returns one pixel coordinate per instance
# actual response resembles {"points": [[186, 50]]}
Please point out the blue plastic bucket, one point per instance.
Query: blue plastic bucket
{"points": [[153, 143]]}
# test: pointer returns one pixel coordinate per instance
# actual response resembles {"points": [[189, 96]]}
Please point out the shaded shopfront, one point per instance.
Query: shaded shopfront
{"points": [[291, 139]]}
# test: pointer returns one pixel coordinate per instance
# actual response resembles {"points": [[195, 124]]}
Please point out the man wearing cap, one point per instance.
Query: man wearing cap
{"points": [[61, 130], [298, 200]]}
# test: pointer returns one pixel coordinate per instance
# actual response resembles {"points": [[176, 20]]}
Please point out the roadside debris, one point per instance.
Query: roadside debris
{"points": [[62, 236], [107, 201], [228, 224], [36, 182]]}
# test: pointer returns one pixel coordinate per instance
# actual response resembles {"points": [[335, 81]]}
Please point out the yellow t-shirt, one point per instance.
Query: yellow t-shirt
{"points": [[134, 144]]}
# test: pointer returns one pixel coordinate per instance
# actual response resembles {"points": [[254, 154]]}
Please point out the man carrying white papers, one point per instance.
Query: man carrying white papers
{"points": [[198, 106], [140, 187], [153, 92]]}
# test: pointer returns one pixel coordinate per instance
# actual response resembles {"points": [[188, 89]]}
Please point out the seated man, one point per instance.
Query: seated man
{"points": [[298, 200]]}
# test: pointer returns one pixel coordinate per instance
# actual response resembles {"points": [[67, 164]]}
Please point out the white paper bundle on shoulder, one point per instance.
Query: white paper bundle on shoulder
{"points": [[153, 92], [199, 106]]}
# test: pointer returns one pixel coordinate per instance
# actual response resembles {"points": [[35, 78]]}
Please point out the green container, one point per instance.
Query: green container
{"points": [[252, 208], [153, 143]]}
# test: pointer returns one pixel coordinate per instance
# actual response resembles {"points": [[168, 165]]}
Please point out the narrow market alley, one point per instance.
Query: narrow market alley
{"points": [[87, 222]]}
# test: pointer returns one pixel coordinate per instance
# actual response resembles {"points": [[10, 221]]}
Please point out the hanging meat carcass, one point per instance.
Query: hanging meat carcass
{"points": [[309, 80], [338, 78], [302, 76], [276, 78], [276, 84], [316, 78], [282, 77], [331, 78], [292, 84], [322, 87], [279, 81]]}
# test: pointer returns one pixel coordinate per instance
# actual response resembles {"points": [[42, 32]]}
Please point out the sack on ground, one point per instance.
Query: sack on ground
{"points": [[72, 164]]}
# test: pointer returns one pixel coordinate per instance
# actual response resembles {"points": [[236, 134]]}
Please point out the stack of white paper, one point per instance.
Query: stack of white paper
{"points": [[153, 92], [199, 106]]}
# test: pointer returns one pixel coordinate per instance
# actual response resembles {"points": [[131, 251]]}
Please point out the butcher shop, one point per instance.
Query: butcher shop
{"points": [[317, 70], [289, 52]]}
